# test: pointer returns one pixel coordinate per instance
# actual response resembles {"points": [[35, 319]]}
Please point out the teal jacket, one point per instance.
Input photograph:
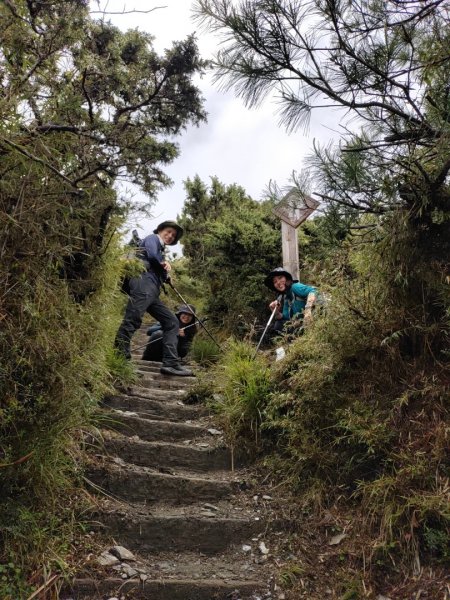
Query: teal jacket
{"points": [[294, 300]]}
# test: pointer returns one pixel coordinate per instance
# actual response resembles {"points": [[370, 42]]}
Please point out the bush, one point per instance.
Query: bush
{"points": [[358, 403], [204, 351], [241, 383], [56, 366]]}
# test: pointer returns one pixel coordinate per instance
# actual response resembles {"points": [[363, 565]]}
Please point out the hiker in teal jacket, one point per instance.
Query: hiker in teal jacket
{"points": [[295, 300]]}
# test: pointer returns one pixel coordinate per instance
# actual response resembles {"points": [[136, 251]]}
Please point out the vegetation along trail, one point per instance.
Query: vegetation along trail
{"points": [[320, 475]]}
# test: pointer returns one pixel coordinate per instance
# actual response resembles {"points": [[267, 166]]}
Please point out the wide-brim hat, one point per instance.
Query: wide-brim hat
{"points": [[276, 273], [175, 226], [188, 309]]}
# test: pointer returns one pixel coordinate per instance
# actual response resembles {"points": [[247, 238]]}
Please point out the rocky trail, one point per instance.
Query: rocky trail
{"points": [[175, 521]]}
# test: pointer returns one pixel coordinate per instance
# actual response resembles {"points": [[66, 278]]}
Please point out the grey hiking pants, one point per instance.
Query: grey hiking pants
{"points": [[144, 297]]}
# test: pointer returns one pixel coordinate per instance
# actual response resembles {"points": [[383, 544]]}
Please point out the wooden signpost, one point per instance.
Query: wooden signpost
{"points": [[293, 210]]}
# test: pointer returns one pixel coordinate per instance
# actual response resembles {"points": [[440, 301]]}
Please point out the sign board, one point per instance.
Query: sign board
{"points": [[295, 207]]}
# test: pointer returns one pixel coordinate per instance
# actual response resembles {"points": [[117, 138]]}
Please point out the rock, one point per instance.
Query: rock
{"points": [[143, 577], [280, 353], [213, 431], [107, 560], [129, 571], [267, 497], [127, 413], [337, 539], [380, 597], [246, 548], [210, 506], [122, 553], [260, 560], [263, 548]]}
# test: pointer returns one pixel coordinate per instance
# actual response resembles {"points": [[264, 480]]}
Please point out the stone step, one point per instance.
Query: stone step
{"points": [[164, 589], [152, 430], [155, 393], [143, 368], [235, 564], [166, 530], [166, 492], [150, 408], [132, 483], [171, 455], [151, 364], [148, 365], [167, 382]]}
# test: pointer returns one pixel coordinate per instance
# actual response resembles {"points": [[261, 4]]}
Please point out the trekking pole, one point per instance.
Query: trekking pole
{"points": [[272, 316], [182, 329], [199, 320]]}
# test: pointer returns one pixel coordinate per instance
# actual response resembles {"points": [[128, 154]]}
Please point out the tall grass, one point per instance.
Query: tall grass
{"points": [[56, 366], [241, 385], [204, 351]]}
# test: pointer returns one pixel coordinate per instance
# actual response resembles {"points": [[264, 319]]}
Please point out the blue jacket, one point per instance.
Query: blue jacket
{"points": [[153, 256], [294, 300]]}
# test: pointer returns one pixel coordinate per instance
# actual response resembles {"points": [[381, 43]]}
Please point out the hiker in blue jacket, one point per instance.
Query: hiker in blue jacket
{"points": [[295, 300], [144, 297]]}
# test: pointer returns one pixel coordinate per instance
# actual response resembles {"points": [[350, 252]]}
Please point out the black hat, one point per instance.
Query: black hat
{"points": [[276, 272], [175, 226], [188, 309]]}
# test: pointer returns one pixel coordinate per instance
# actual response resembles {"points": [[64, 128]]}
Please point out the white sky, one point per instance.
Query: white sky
{"points": [[237, 145]]}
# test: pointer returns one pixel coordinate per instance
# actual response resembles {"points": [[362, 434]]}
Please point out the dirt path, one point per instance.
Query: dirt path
{"points": [[177, 523]]}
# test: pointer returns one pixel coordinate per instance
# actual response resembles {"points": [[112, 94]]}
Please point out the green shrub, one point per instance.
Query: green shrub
{"points": [[357, 405], [55, 371], [242, 384], [204, 351]]}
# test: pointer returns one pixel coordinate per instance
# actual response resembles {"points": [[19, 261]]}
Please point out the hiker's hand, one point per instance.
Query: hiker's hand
{"points": [[166, 266], [181, 332], [307, 317], [273, 305]]}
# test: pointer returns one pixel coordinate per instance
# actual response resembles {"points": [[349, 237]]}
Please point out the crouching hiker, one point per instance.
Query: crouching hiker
{"points": [[186, 332], [295, 301], [144, 297]]}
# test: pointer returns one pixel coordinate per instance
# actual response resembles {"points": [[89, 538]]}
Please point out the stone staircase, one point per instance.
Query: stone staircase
{"points": [[175, 522]]}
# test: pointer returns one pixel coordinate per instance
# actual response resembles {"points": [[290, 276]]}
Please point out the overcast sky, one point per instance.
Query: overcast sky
{"points": [[237, 145]]}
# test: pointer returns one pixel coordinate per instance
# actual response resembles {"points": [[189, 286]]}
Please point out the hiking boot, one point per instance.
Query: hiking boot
{"points": [[176, 370]]}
